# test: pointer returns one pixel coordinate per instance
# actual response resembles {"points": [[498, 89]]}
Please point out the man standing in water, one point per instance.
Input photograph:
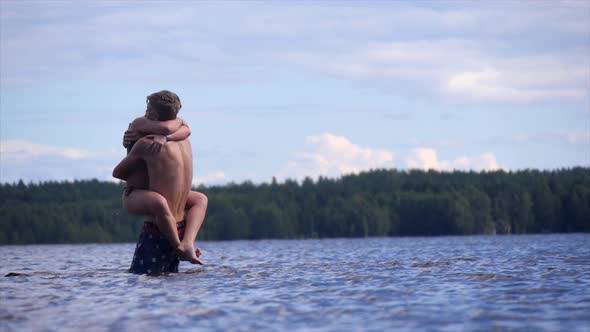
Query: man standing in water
{"points": [[169, 166]]}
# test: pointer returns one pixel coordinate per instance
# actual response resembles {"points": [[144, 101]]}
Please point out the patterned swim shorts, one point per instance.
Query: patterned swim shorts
{"points": [[153, 253]]}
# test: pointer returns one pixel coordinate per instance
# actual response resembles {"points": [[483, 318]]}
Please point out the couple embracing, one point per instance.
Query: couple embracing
{"points": [[158, 171]]}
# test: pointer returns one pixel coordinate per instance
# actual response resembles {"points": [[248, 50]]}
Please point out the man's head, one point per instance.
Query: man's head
{"points": [[163, 105]]}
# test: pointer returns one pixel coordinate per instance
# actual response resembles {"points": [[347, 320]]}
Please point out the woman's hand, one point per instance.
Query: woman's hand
{"points": [[157, 141], [130, 137]]}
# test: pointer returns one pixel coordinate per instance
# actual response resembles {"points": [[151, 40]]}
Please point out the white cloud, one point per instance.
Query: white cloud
{"points": [[426, 158], [574, 137], [422, 158], [457, 68], [523, 79], [332, 155], [217, 177], [31, 161], [457, 50], [19, 150], [578, 137], [40, 162]]}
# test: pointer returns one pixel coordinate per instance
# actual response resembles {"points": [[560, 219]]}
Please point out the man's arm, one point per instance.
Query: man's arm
{"points": [[174, 130], [146, 146], [125, 167], [181, 134], [146, 126]]}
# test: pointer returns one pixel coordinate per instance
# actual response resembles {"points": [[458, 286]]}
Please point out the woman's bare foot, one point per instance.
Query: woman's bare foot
{"points": [[186, 252]]}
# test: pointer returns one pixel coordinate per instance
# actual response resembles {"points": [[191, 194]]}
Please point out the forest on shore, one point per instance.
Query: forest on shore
{"points": [[373, 203]]}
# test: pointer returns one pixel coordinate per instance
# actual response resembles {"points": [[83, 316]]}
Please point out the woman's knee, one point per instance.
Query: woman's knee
{"points": [[202, 199], [159, 205], [197, 198]]}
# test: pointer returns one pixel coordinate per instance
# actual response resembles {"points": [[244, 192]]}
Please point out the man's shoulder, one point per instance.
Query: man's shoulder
{"points": [[178, 146], [144, 142], [138, 121], [142, 146]]}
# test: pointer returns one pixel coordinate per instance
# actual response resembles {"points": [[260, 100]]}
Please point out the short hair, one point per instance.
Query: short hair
{"points": [[165, 103]]}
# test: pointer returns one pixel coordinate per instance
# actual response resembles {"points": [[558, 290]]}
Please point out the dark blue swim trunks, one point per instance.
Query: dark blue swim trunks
{"points": [[153, 253]]}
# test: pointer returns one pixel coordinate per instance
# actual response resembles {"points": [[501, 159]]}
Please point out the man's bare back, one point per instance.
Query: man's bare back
{"points": [[170, 171]]}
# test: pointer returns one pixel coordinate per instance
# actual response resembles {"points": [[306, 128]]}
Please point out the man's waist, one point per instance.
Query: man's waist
{"points": [[151, 228]]}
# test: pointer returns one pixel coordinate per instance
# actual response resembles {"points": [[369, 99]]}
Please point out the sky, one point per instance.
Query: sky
{"points": [[295, 89]]}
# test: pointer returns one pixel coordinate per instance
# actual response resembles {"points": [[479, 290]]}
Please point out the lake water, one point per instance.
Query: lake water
{"points": [[533, 282]]}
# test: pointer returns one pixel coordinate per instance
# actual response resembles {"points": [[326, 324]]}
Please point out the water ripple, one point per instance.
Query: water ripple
{"points": [[448, 283]]}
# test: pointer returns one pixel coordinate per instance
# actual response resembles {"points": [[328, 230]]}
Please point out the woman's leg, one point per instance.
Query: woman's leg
{"points": [[196, 204], [150, 203]]}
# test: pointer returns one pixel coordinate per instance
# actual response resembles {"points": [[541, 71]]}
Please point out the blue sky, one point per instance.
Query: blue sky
{"points": [[295, 89]]}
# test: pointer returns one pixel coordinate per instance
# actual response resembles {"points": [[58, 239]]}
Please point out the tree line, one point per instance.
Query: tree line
{"points": [[373, 203]]}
